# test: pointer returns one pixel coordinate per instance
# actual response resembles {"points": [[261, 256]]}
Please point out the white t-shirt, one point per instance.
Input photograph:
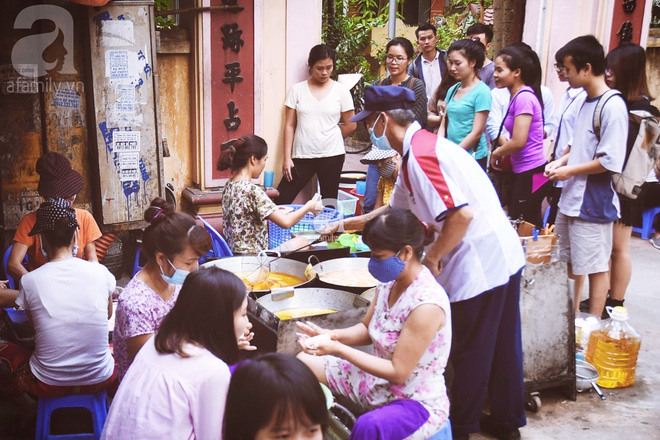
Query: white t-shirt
{"points": [[167, 396], [444, 177], [317, 133], [68, 301], [592, 198], [431, 71], [500, 102], [564, 119]]}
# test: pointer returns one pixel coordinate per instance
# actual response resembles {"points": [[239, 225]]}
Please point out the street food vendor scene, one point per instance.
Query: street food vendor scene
{"points": [[329, 219]]}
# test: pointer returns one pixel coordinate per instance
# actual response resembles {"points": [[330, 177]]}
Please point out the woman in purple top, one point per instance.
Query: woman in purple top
{"points": [[518, 69]]}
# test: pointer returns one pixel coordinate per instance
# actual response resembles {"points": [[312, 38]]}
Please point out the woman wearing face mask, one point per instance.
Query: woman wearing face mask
{"points": [[387, 162], [177, 386], [172, 243], [408, 324]]}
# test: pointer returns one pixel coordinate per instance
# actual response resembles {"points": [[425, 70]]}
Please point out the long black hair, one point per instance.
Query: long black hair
{"points": [[273, 387], [471, 50], [204, 315]]}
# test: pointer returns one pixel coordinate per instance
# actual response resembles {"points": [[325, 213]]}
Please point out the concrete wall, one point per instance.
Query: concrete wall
{"points": [[285, 31]]}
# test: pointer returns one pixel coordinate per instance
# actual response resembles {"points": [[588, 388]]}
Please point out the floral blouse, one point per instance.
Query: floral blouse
{"points": [[245, 208], [140, 311], [426, 383]]}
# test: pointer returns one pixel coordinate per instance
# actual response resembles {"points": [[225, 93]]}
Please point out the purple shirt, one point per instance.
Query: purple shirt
{"points": [[531, 156]]}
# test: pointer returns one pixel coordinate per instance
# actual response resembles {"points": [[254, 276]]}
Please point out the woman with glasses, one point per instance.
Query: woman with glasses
{"points": [[400, 54], [399, 57], [469, 101], [316, 123]]}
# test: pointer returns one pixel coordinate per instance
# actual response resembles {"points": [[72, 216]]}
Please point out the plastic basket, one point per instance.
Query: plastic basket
{"points": [[346, 203], [277, 235]]}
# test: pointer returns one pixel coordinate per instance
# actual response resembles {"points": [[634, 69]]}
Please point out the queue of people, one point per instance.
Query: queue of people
{"points": [[442, 248]]}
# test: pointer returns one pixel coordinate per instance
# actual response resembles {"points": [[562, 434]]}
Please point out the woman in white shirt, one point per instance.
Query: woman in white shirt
{"points": [[317, 121], [177, 385]]}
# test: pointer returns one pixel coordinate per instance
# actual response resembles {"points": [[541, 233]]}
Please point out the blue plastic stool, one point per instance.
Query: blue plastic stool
{"points": [[647, 223], [97, 404], [5, 261]]}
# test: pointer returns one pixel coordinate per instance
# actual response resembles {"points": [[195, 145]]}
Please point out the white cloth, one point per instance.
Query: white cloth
{"points": [[68, 301], [443, 177], [431, 72], [592, 198], [317, 133], [500, 103], [167, 396]]}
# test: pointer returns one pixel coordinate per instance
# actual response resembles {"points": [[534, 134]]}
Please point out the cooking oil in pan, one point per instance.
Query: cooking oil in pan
{"points": [[302, 312]]}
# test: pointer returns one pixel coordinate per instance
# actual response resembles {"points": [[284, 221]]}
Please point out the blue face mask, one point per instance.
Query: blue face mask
{"points": [[386, 270], [379, 142], [178, 277]]}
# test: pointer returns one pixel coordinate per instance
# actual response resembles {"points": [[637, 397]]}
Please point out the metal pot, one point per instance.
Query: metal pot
{"points": [[282, 265], [351, 310], [350, 263]]}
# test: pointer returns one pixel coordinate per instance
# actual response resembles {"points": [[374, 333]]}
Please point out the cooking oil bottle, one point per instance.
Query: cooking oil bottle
{"points": [[613, 350]]}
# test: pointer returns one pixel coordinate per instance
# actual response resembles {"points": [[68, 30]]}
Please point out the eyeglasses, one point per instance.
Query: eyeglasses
{"points": [[395, 60], [608, 72], [559, 67]]}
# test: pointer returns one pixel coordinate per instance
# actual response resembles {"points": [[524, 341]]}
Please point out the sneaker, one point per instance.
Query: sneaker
{"points": [[655, 242]]}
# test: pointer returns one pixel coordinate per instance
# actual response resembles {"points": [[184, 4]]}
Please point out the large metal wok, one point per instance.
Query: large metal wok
{"points": [[349, 263], [283, 265], [351, 310]]}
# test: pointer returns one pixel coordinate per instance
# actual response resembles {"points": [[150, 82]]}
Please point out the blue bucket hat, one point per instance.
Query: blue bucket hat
{"points": [[384, 98]]}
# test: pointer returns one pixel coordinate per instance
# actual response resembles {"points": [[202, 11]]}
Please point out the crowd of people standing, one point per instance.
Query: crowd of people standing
{"points": [[462, 144]]}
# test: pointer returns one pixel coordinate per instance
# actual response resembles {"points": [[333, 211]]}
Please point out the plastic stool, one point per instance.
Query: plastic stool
{"points": [[97, 404], [647, 222]]}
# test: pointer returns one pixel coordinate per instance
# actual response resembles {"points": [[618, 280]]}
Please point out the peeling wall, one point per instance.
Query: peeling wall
{"points": [[176, 109]]}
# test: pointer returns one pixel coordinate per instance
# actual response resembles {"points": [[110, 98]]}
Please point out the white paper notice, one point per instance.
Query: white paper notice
{"points": [[116, 62], [126, 141], [129, 166], [126, 101]]}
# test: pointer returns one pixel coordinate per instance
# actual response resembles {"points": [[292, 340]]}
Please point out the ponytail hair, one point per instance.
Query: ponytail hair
{"points": [[521, 56], [170, 231], [235, 155]]}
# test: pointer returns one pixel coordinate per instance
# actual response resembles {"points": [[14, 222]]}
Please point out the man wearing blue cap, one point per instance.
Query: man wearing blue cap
{"points": [[476, 256]]}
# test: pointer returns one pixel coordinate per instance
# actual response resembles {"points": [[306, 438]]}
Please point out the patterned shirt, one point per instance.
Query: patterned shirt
{"points": [[426, 384], [140, 311], [245, 208]]}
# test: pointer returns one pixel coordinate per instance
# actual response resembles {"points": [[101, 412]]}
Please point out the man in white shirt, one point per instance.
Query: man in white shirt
{"points": [[476, 256], [431, 64]]}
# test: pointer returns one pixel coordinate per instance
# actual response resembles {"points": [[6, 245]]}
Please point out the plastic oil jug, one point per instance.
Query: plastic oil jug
{"points": [[613, 350]]}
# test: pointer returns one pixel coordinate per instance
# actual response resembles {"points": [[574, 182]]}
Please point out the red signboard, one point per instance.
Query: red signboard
{"points": [[232, 75], [627, 20]]}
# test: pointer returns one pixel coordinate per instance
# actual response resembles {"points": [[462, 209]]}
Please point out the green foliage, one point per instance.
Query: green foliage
{"points": [[455, 21], [164, 22]]}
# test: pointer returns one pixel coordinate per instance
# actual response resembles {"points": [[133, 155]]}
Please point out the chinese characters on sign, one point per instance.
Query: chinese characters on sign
{"points": [[231, 39]]}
